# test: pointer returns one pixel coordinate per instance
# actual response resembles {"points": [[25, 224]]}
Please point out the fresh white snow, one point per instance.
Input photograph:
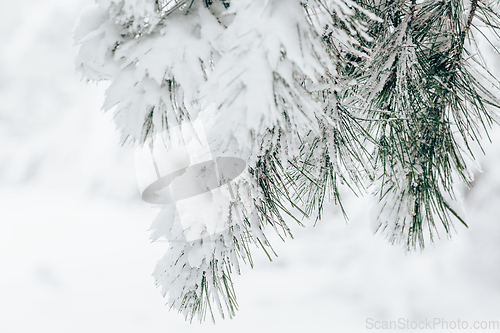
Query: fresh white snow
{"points": [[75, 254]]}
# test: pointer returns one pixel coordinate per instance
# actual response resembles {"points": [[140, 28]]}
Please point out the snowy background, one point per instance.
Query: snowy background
{"points": [[75, 254]]}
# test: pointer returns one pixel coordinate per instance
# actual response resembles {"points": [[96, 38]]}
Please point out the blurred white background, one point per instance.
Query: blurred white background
{"points": [[74, 248]]}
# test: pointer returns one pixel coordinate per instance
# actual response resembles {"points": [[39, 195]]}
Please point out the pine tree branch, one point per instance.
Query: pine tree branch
{"points": [[414, 87], [472, 12]]}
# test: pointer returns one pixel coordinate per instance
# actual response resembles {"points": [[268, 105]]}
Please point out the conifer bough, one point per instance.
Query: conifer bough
{"points": [[384, 96]]}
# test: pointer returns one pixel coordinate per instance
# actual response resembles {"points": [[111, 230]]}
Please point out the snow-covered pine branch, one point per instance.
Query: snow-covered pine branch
{"points": [[309, 94], [430, 104]]}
